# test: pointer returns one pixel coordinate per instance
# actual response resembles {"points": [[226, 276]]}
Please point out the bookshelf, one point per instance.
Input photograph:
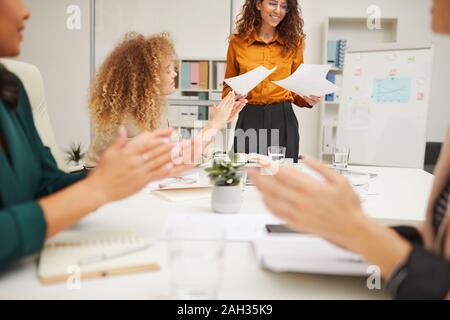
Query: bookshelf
{"points": [[354, 31], [199, 85]]}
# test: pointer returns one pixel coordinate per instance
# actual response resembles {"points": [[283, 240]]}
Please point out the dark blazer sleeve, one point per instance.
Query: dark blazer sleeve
{"points": [[409, 233], [424, 275]]}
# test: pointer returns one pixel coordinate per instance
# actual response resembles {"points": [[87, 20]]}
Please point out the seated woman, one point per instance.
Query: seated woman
{"points": [[36, 199], [131, 88], [416, 263]]}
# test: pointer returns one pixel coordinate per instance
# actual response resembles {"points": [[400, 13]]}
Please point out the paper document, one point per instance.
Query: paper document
{"points": [[237, 227], [244, 83], [307, 254], [309, 79], [180, 195]]}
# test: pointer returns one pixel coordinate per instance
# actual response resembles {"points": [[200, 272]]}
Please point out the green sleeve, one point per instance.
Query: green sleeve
{"points": [[22, 231], [52, 179]]}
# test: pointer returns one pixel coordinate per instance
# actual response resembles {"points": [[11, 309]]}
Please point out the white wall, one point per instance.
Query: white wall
{"points": [[414, 25], [197, 28], [63, 58], [439, 115]]}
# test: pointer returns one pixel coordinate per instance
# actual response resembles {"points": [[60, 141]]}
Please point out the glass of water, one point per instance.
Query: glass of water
{"points": [[276, 154], [340, 157], [196, 258]]}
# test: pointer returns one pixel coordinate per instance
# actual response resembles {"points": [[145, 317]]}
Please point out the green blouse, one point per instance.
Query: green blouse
{"points": [[28, 172]]}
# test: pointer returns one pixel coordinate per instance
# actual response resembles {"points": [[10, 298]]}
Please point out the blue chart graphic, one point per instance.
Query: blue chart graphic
{"points": [[392, 90]]}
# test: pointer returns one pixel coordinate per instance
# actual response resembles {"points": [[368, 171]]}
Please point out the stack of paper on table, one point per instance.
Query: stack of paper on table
{"points": [[84, 253], [183, 188], [307, 254]]}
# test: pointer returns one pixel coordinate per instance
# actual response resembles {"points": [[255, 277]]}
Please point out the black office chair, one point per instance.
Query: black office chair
{"points": [[432, 151]]}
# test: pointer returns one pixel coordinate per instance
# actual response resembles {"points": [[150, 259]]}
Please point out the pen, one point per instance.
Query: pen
{"points": [[111, 255]]}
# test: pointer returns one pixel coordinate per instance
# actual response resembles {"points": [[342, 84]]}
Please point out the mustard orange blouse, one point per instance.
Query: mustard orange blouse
{"points": [[246, 54]]}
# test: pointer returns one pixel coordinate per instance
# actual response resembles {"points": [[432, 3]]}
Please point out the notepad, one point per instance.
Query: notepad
{"points": [[123, 252], [307, 254]]}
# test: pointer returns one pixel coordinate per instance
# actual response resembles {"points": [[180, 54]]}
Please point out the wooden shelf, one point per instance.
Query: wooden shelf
{"points": [[194, 90], [354, 30]]}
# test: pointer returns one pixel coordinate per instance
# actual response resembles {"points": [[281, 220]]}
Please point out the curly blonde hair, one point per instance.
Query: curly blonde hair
{"points": [[129, 83]]}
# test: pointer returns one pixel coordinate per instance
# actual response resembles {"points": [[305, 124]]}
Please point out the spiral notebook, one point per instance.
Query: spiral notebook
{"points": [[94, 253]]}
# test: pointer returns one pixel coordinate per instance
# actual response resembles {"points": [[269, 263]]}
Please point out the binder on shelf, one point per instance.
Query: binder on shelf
{"points": [[330, 77], [202, 96], [193, 116], [341, 53], [327, 139], [220, 74], [332, 52], [185, 75], [203, 113], [204, 75], [195, 75], [336, 52], [184, 116]]}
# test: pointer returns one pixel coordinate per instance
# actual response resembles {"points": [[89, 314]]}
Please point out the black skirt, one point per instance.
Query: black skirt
{"points": [[261, 126]]}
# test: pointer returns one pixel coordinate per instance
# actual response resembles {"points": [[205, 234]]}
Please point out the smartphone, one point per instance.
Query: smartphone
{"points": [[280, 228]]}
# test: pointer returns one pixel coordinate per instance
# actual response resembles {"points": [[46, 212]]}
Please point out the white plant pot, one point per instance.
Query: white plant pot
{"points": [[226, 199]]}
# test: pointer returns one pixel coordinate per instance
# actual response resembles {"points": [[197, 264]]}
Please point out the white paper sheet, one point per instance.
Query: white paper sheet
{"points": [[307, 254], [309, 79], [244, 83], [237, 227]]}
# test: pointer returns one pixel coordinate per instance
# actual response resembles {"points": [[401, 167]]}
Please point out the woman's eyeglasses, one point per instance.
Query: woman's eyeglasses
{"points": [[273, 5]]}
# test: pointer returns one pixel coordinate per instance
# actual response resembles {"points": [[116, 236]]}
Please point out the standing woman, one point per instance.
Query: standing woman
{"points": [[268, 33]]}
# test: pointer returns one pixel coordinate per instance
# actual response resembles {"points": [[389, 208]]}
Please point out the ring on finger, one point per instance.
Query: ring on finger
{"points": [[145, 157]]}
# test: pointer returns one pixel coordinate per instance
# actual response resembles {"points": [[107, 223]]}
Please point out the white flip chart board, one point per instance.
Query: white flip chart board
{"points": [[384, 105]]}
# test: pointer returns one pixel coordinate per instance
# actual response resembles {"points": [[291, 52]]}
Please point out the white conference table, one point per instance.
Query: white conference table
{"points": [[397, 196]]}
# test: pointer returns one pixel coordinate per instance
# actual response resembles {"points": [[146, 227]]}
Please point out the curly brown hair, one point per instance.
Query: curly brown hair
{"points": [[129, 83], [290, 29]]}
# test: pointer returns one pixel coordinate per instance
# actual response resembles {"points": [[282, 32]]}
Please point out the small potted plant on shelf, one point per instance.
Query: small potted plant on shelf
{"points": [[227, 195], [74, 155]]}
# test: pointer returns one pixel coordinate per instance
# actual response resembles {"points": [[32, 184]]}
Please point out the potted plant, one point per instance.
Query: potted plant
{"points": [[227, 195], [74, 155]]}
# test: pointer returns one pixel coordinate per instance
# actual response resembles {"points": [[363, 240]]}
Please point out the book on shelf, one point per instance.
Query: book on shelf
{"points": [[204, 75], [195, 75], [220, 74], [337, 80], [341, 53], [336, 53], [203, 111], [185, 75], [327, 146], [203, 96]]}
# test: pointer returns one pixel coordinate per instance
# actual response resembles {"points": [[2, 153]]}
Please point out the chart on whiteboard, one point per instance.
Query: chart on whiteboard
{"points": [[392, 90]]}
